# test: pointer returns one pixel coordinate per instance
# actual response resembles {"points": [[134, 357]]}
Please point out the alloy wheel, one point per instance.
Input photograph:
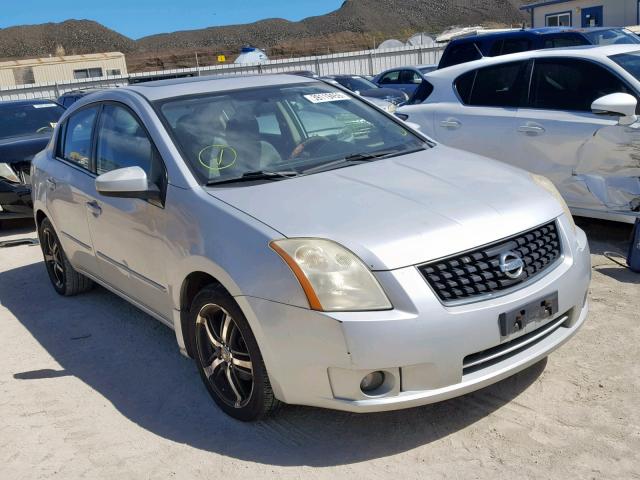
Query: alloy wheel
{"points": [[53, 258], [224, 356]]}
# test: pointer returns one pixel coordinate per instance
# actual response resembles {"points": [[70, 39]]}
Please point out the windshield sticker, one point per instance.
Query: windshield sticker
{"points": [[44, 105], [327, 97]]}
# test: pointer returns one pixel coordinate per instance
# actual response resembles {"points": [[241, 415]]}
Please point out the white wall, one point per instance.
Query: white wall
{"points": [[616, 13]]}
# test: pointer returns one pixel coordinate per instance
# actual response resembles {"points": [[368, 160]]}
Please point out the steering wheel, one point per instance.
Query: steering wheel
{"points": [[305, 146]]}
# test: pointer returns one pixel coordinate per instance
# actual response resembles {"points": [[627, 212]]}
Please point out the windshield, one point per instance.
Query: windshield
{"points": [[19, 120], [612, 36], [630, 62], [356, 83], [292, 128]]}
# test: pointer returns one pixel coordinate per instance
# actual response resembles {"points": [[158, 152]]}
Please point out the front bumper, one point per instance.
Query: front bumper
{"points": [[319, 359], [15, 200]]}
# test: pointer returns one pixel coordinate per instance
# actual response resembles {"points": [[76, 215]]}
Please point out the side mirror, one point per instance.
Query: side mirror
{"points": [[129, 182], [617, 104]]}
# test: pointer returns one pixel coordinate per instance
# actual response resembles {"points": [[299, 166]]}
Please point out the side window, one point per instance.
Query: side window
{"points": [[466, 52], [391, 77], [464, 84], [569, 84], [122, 142], [497, 86], [510, 45], [516, 45], [77, 140], [564, 41], [268, 124], [421, 94], [408, 77]]}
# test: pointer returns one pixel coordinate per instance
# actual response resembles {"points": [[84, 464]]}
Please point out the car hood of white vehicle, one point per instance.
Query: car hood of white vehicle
{"points": [[404, 210]]}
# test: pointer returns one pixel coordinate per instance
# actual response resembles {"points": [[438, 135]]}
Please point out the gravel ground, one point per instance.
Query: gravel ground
{"points": [[90, 387]]}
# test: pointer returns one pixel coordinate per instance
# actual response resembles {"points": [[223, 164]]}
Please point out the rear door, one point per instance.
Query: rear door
{"points": [[482, 118], [70, 182], [557, 123]]}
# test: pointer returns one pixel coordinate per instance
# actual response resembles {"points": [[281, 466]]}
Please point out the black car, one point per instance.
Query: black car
{"points": [[25, 129], [366, 88], [475, 47], [69, 98]]}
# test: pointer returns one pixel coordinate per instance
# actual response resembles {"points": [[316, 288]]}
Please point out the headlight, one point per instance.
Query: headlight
{"points": [[548, 185], [7, 172], [332, 277]]}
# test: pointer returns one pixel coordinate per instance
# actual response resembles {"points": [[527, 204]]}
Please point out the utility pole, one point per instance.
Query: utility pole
{"points": [[197, 64]]}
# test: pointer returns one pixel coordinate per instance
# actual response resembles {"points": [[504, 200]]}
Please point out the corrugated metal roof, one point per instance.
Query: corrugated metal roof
{"points": [[65, 59]]}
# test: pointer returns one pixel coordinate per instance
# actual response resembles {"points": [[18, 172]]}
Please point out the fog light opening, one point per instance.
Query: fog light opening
{"points": [[372, 382]]}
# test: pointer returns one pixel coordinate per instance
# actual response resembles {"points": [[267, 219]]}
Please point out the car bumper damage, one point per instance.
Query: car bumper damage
{"points": [[426, 351], [607, 176], [15, 190]]}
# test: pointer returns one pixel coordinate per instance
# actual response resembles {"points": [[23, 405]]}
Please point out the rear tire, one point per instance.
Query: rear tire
{"points": [[65, 279], [228, 356]]}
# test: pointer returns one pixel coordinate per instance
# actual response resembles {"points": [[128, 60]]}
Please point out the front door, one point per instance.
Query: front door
{"points": [[129, 233], [592, 17], [560, 137]]}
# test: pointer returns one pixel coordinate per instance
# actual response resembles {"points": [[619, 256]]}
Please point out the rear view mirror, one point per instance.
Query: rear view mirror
{"points": [[618, 104], [129, 182]]}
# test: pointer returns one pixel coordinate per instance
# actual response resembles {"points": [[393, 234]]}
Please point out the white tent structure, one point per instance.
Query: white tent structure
{"points": [[251, 55], [391, 43], [421, 40]]}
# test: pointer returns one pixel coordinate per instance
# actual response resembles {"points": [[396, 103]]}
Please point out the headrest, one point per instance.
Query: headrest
{"points": [[243, 125]]}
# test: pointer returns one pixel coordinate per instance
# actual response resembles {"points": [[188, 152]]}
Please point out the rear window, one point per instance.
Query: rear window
{"points": [[565, 41], [496, 86], [611, 36], [421, 94], [461, 53]]}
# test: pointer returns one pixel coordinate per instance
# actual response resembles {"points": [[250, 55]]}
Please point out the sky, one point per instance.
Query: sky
{"points": [[138, 18]]}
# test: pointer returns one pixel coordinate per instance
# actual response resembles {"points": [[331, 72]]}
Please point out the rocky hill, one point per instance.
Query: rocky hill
{"points": [[356, 24]]}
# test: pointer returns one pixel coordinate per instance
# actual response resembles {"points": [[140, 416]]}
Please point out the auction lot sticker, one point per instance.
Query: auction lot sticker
{"points": [[327, 97]]}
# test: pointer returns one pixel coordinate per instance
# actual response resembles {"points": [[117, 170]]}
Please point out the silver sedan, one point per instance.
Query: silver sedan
{"points": [[305, 246]]}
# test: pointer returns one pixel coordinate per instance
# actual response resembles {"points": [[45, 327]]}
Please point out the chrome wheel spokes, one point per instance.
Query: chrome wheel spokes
{"points": [[224, 355]]}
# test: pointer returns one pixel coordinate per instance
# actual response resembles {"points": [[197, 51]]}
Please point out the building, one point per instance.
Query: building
{"points": [[61, 69], [584, 13]]}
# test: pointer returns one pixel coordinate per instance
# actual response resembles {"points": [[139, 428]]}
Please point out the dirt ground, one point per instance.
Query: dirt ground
{"points": [[92, 388]]}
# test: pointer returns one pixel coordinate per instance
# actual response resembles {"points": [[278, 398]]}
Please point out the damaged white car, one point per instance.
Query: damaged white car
{"points": [[568, 114]]}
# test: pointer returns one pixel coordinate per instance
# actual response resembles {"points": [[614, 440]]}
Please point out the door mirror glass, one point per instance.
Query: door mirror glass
{"points": [[128, 182], [618, 104]]}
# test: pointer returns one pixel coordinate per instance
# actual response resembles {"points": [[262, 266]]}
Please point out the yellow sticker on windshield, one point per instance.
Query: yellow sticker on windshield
{"points": [[219, 158]]}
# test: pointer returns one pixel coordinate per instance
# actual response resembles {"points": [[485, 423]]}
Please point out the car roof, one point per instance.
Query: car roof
{"points": [[20, 103], [586, 51], [528, 32], [177, 87]]}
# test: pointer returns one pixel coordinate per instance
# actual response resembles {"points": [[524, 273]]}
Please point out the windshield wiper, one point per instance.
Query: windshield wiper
{"points": [[359, 157], [257, 175]]}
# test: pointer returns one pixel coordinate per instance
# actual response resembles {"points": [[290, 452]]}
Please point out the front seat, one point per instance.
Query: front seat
{"points": [[243, 135]]}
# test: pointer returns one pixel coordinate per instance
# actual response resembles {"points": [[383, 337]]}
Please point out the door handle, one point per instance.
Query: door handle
{"points": [[94, 208], [451, 124], [51, 183], [531, 129]]}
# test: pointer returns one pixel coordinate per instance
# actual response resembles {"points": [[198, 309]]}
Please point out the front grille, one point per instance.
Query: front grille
{"points": [[477, 272]]}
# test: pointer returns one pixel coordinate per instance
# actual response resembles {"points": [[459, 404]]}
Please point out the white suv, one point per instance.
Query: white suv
{"points": [[569, 114]]}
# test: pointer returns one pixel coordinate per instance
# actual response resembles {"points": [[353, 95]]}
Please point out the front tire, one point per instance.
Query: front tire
{"points": [[64, 278], [228, 357]]}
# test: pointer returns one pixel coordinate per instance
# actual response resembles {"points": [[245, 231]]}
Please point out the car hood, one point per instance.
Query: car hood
{"points": [[21, 149], [401, 211]]}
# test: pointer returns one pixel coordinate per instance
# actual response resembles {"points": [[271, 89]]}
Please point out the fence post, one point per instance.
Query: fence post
{"points": [[371, 64], [56, 90], [318, 66], [420, 62]]}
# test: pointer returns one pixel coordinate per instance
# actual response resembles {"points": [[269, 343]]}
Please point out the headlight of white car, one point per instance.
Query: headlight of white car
{"points": [[7, 172], [548, 185], [332, 277]]}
